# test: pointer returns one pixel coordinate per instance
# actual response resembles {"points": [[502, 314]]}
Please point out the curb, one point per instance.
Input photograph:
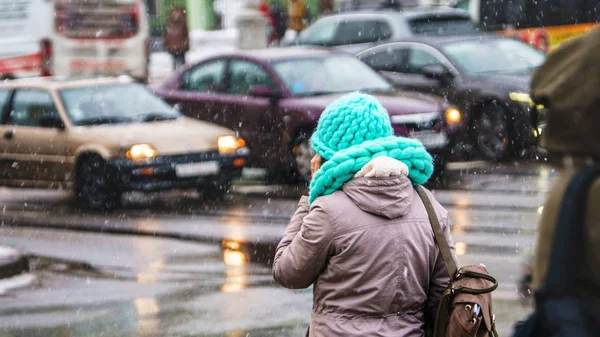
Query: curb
{"points": [[12, 263]]}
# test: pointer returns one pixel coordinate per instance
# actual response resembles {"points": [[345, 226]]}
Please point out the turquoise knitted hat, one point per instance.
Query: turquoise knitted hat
{"points": [[348, 121], [353, 130]]}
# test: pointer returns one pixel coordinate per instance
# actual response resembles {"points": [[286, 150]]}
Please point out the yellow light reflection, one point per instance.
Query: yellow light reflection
{"points": [[147, 310], [150, 273], [461, 248], [234, 257], [232, 287], [540, 210], [236, 276], [458, 229], [463, 202]]}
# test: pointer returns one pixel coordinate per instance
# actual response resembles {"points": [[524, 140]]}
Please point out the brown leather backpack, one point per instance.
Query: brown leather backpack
{"points": [[465, 309]]}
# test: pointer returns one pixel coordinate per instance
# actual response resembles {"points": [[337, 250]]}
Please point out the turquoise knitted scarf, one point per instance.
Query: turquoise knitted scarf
{"points": [[344, 164]]}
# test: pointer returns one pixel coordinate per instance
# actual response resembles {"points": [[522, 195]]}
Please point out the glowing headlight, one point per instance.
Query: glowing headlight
{"points": [[141, 151], [453, 116], [229, 144], [522, 97]]}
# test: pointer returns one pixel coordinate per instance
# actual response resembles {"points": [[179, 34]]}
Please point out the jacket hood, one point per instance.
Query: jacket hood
{"points": [[388, 197], [382, 187]]}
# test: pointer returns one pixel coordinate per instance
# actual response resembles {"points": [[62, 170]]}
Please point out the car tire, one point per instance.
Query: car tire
{"points": [[297, 169], [95, 186], [439, 168], [492, 132], [214, 191]]}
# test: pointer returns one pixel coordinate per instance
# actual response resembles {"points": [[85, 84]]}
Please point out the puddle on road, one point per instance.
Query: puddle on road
{"points": [[236, 267]]}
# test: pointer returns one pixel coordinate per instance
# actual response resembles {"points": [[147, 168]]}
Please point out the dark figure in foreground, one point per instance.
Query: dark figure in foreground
{"points": [[566, 274]]}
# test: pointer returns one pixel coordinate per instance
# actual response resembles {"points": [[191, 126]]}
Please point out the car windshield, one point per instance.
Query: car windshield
{"points": [[494, 56], [443, 26], [326, 75], [110, 104]]}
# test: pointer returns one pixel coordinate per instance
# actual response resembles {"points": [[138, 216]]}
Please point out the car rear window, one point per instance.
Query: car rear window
{"points": [[442, 26]]}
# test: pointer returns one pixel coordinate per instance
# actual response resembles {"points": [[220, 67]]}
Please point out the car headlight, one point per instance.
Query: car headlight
{"points": [[230, 144], [453, 116], [522, 97], [141, 151]]}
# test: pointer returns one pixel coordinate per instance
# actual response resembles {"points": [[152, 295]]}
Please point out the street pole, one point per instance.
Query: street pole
{"points": [[200, 14], [252, 27]]}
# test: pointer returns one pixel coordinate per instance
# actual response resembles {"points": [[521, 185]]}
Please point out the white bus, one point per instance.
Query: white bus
{"points": [[73, 38]]}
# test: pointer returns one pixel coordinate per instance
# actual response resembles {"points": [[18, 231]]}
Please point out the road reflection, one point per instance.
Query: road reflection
{"points": [[461, 248], [235, 259], [147, 310]]}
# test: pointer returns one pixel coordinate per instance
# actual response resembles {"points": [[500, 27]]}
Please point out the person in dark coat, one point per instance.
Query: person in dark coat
{"points": [[176, 38], [280, 20], [567, 85]]}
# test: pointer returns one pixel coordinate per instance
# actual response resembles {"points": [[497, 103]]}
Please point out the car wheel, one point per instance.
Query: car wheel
{"points": [[303, 153], [95, 187], [214, 191], [439, 167], [492, 132]]}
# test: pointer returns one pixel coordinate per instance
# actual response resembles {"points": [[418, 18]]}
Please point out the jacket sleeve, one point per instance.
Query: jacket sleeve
{"points": [[439, 278], [303, 252]]}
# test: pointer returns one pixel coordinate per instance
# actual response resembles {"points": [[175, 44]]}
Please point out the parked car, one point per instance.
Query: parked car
{"points": [[103, 137], [487, 77], [354, 5], [273, 98], [356, 31]]}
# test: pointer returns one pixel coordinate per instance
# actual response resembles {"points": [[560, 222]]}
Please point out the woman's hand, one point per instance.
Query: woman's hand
{"points": [[315, 164]]}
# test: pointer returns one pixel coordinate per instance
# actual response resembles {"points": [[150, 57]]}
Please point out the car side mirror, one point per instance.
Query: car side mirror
{"points": [[51, 120], [264, 92], [436, 72]]}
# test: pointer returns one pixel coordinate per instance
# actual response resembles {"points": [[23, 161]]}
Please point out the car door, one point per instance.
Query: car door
{"points": [[256, 118], [353, 36], [37, 152], [201, 93]]}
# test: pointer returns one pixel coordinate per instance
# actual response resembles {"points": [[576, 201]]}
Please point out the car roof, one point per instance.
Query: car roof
{"points": [[438, 41], [411, 13], [279, 53], [60, 82]]}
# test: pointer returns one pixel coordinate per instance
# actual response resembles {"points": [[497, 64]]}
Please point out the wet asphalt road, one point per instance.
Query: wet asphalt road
{"points": [[171, 265]]}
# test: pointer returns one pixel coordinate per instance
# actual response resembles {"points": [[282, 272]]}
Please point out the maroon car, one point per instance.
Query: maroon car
{"points": [[274, 98]]}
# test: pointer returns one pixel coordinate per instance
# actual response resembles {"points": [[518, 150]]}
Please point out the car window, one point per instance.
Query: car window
{"points": [[244, 75], [418, 59], [28, 106], [443, 26], [353, 32], [113, 104], [4, 95], [333, 73], [321, 33], [206, 77], [388, 60], [494, 56]]}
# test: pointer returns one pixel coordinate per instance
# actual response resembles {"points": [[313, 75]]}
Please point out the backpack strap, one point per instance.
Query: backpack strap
{"points": [[569, 236], [440, 239]]}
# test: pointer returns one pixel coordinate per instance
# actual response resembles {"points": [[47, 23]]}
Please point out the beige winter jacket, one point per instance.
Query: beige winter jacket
{"points": [[370, 252]]}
